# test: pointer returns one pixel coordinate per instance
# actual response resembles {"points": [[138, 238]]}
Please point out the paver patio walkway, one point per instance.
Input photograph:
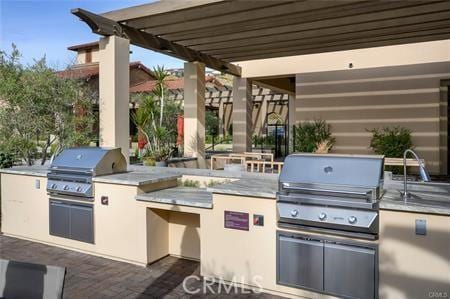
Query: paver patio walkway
{"points": [[95, 277]]}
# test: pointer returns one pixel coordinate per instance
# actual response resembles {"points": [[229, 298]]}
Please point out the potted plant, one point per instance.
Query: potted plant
{"points": [[148, 160], [161, 156]]}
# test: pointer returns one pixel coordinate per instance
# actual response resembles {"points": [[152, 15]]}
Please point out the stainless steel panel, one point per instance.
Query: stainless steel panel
{"points": [[329, 201], [300, 262], [70, 188], [346, 170], [82, 223], [329, 217], [96, 160], [366, 193], [349, 271], [59, 219]]}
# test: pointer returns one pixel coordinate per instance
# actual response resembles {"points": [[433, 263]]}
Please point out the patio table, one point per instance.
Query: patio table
{"points": [[227, 158]]}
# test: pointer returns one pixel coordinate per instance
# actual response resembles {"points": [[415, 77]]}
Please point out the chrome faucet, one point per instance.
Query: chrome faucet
{"points": [[422, 171]]}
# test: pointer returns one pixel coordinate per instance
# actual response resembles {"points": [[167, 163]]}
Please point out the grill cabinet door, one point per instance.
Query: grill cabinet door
{"points": [[59, 219], [81, 223], [349, 271], [300, 262]]}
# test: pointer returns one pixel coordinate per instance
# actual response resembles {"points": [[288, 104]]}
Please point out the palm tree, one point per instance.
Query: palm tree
{"points": [[160, 75]]}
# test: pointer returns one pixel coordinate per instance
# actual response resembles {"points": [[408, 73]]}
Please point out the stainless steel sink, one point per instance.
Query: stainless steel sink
{"points": [[427, 198]]}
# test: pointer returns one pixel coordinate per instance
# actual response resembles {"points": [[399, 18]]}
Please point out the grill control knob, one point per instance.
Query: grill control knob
{"points": [[294, 213], [66, 187], [54, 186], [322, 216], [352, 219], [79, 189]]}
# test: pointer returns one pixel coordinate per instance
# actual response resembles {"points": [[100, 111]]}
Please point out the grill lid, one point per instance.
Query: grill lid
{"points": [[95, 160], [325, 170]]}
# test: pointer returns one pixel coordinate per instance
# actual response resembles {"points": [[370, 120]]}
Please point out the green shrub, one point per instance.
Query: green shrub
{"points": [[189, 183], [6, 160], [309, 137], [213, 183], [209, 139], [227, 139], [391, 141], [211, 123]]}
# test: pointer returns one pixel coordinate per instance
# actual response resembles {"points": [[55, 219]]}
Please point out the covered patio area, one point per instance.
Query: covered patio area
{"points": [[357, 64]]}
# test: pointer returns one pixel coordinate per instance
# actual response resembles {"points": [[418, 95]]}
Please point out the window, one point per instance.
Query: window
{"points": [[88, 56]]}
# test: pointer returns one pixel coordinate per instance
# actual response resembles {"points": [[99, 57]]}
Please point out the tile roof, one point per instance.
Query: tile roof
{"points": [[88, 71], [83, 46], [171, 84], [148, 86]]}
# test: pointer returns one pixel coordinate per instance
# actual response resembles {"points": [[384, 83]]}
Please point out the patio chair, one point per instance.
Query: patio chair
{"points": [[27, 280]]}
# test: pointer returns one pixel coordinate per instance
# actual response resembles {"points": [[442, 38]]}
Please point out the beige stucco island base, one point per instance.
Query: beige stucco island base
{"points": [[136, 226]]}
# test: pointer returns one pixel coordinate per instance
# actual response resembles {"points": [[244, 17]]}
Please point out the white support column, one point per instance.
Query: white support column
{"points": [[291, 121], [114, 81], [194, 111], [242, 115]]}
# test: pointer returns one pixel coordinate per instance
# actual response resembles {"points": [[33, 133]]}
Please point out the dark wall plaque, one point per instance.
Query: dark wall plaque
{"points": [[236, 220]]}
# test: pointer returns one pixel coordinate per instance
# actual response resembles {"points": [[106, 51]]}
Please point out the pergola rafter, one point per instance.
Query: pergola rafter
{"points": [[108, 27], [235, 31]]}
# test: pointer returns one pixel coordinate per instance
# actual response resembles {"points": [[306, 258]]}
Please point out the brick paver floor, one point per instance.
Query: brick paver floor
{"points": [[89, 276]]}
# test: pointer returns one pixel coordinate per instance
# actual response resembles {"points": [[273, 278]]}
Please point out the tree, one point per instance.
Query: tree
{"points": [[159, 90], [40, 111], [211, 123], [159, 138]]}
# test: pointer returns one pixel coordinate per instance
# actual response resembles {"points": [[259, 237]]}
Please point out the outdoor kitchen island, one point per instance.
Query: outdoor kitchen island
{"points": [[137, 225]]}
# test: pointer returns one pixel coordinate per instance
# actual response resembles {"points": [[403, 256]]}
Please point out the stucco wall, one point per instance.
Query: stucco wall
{"points": [[354, 100], [81, 57]]}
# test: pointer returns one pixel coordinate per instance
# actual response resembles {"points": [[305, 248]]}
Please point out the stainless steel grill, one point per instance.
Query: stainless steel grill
{"points": [[332, 202], [336, 193], [71, 172]]}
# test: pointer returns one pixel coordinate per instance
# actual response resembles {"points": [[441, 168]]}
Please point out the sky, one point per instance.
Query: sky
{"points": [[47, 28]]}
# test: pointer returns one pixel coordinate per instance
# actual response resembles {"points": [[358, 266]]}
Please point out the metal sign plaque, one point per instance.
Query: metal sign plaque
{"points": [[236, 220]]}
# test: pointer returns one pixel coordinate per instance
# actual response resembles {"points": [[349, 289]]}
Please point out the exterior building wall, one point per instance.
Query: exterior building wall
{"points": [[355, 100], [415, 53], [81, 57]]}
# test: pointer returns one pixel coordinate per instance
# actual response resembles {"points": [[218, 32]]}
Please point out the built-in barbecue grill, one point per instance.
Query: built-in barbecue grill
{"points": [[337, 192], [328, 224], [71, 172]]}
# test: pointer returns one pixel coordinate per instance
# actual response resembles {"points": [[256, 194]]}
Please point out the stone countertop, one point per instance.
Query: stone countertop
{"points": [[183, 196], [253, 187], [36, 170], [432, 198], [421, 202], [135, 178], [202, 172]]}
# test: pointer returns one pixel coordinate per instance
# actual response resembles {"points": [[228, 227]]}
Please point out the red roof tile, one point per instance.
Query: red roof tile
{"points": [[87, 71], [172, 84], [148, 86]]}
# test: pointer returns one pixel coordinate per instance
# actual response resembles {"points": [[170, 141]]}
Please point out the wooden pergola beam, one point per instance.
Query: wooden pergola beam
{"points": [[328, 36], [107, 27], [349, 45], [420, 12]]}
